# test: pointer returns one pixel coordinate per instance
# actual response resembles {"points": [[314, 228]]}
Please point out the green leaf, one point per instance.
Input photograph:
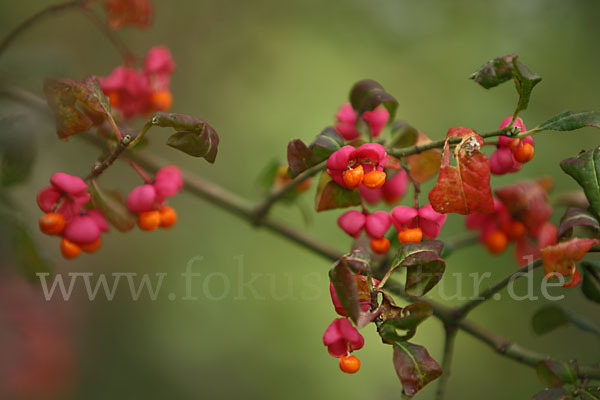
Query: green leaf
{"points": [[194, 137], [325, 144], [585, 169], [414, 366], [330, 195], [403, 134], [575, 217], [495, 71], [550, 317], [344, 283], [299, 157], [17, 149], [591, 281], [407, 320], [552, 394], [112, 206], [425, 267], [525, 80], [557, 373], [77, 106], [502, 69], [570, 120], [367, 95]]}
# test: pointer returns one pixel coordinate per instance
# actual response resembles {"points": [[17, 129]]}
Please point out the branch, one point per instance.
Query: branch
{"points": [[29, 22], [226, 200], [263, 208], [416, 149], [81, 5], [498, 343], [463, 310], [450, 338]]}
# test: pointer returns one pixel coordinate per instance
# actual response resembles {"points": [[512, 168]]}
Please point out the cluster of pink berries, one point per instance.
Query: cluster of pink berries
{"points": [[511, 152], [63, 202], [411, 224], [141, 91], [499, 228], [70, 214], [148, 201]]}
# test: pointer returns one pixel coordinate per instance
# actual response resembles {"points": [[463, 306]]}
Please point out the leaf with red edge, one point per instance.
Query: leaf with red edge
{"points": [[576, 217], [330, 195], [414, 366], [464, 188], [560, 259], [77, 106], [425, 165], [527, 202]]}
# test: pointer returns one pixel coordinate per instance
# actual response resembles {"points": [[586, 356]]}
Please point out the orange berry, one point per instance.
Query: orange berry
{"points": [[380, 246], [52, 223], [410, 235], [374, 179], [514, 143], [69, 249], [496, 242], [524, 153], [161, 100], [113, 99], [91, 247], [168, 217], [349, 364], [353, 177], [149, 220], [304, 185], [514, 229]]}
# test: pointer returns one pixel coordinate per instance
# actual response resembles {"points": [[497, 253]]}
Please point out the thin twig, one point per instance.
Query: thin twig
{"points": [[263, 208], [29, 22], [121, 47], [450, 338], [463, 310]]}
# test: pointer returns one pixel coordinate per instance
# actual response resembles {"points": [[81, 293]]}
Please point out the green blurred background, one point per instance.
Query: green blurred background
{"points": [[263, 72]]}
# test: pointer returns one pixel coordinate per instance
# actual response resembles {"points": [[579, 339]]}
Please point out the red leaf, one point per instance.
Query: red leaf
{"points": [[527, 202], [425, 165], [560, 258], [464, 188], [128, 12], [77, 106]]}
